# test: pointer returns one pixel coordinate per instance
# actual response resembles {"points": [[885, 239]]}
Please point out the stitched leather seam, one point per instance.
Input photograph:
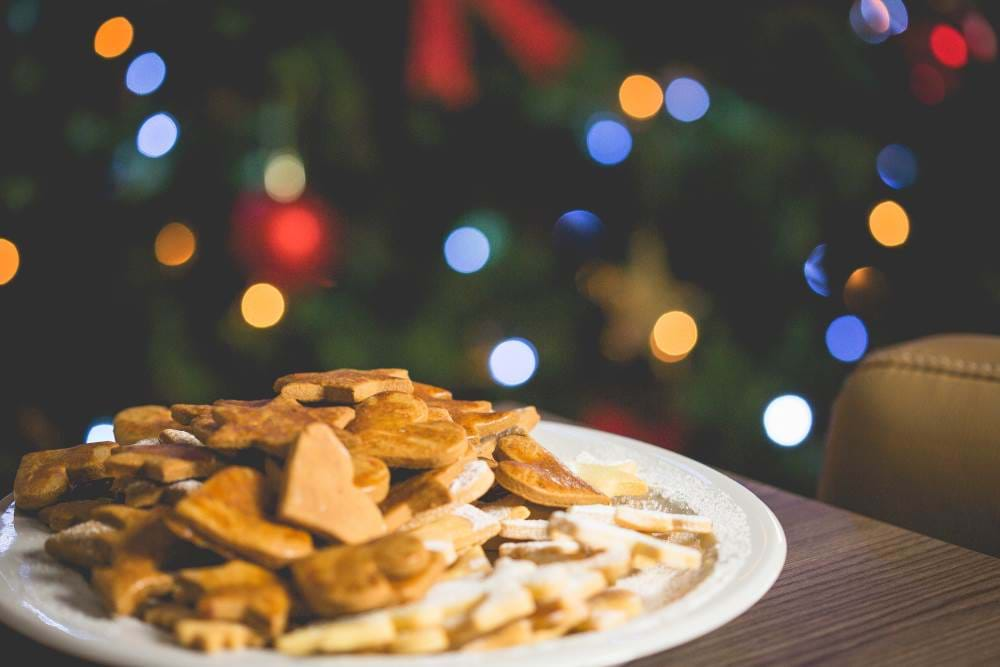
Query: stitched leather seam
{"points": [[933, 364]]}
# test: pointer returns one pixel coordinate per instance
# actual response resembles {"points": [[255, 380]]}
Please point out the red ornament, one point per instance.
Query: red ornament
{"points": [[613, 418], [290, 245], [438, 66]]}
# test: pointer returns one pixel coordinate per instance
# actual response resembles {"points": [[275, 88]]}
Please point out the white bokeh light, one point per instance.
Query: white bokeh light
{"points": [[466, 250], [513, 362], [788, 420], [101, 431]]}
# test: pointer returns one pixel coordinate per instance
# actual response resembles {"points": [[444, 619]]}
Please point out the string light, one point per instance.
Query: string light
{"points": [[513, 362], [145, 74], [10, 261], [262, 305], [157, 135], [847, 338], [579, 229], [285, 177], [686, 99], [113, 37], [897, 166], [788, 420], [100, 431], [608, 142], [466, 250], [948, 46], [674, 336], [175, 244], [640, 96], [889, 224], [815, 272], [865, 290]]}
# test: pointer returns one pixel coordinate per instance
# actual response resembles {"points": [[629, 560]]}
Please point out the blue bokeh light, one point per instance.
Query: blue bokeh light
{"points": [[815, 271], [788, 420], [897, 166], [847, 338], [101, 431], [686, 100], [466, 250], [157, 135], [579, 229], [145, 74], [608, 141], [513, 362], [866, 15]]}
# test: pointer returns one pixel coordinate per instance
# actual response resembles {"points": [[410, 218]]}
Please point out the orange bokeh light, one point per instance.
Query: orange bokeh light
{"points": [[175, 244], [674, 335], [262, 305], [113, 37], [640, 96], [889, 224], [10, 261]]}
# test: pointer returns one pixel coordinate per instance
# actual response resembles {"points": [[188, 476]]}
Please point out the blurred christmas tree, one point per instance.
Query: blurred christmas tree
{"points": [[586, 206]]}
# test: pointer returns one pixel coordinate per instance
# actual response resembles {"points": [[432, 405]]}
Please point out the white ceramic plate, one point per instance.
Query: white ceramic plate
{"points": [[54, 605]]}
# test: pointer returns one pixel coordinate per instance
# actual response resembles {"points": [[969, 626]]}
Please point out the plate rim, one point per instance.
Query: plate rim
{"points": [[757, 576]]}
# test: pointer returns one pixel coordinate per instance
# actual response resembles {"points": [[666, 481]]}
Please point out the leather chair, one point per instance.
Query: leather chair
{"points": [[914, 439]]}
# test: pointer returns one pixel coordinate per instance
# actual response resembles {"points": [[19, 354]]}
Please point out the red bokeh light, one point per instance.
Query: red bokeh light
{"points": [[294, 235], [980, 37], [927, 84], [949, 47]]}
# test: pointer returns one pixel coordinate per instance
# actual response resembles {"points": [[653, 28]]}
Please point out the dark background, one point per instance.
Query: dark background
{"points": [[783, 160]]}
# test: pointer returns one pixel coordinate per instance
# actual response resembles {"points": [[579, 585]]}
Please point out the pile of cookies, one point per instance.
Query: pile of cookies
{"points": [[356, 511]]}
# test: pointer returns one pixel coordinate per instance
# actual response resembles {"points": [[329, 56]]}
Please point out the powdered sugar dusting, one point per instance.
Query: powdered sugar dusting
{"points": [[479, 519]]}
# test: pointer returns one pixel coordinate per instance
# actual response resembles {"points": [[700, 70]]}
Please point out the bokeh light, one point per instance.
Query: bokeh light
{"points": [[175, 244], [788, 420], [640, 96], [865, 290], [157, 135], [513, 362], [100, 431], [285, 177], [948, 46], [980, 37], [847, 338], [22, 15], [466, 250], [927, 84], [294, 235], [686, 99], [579, 230], [608, 141], [145, 74], [874, 21], [491, 223], [10, 261], [897, 166], [262, 305], [815, 271], [674, 335], [113, 37], [889, 224], [875, 15]]}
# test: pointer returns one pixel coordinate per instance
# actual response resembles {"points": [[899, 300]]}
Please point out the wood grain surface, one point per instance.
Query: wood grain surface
{"points": [[854, 591]]}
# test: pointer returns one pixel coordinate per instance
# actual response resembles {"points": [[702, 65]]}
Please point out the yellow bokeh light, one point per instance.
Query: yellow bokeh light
{"points": [[889, 224], [263, 305], [175, 244], [866, 290], [113, 37], [674, 336], [640, 96], [10, 261], [284, 177]]}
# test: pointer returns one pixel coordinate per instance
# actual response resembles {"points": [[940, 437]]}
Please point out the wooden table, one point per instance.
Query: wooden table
{"points": [[853, 591]]}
